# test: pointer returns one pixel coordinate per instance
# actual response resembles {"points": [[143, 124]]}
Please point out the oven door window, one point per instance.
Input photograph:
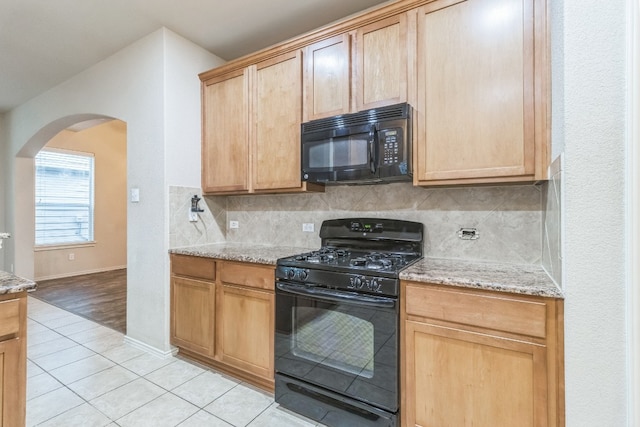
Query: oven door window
{"points": [[335, 339], [345, 347]]}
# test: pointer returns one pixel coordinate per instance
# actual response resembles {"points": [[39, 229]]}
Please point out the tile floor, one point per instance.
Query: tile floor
{"points": [[82, 374]]}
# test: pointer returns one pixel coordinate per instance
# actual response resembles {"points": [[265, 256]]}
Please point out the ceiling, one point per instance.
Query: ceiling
{"points": [[45, 42]]}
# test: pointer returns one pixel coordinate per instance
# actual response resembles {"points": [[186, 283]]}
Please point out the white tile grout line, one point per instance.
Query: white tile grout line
{"points": [[207, 369]]}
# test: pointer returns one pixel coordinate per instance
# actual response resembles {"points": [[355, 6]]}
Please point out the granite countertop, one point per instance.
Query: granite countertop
{"points": [[259, 254], [10, 284], [524, 279]]}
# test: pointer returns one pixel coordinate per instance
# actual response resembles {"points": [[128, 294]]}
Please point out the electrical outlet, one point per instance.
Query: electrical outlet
{"points": [[72, 256], [193, 216], [468, 234], [308, 227], [135, 195], [234, 224]]}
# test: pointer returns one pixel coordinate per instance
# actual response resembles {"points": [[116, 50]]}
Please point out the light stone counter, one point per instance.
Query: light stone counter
{"points": [[258, 254], [10, 284], [514, 278]]}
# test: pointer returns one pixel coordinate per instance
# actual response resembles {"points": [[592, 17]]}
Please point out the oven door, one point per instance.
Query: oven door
{"points": [[339, 341]]}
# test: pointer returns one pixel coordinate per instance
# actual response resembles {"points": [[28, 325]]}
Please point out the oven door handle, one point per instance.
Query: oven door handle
{"points": [[352, 298]]}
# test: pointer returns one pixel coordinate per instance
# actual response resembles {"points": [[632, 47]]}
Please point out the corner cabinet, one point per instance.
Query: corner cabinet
{"points": [[223, 314], [480, 358], [481, 114], [251, 128], [13, 359]]}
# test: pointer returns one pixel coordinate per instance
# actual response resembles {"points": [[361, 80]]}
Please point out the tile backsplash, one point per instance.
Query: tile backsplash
{"points": [[509, 219], [552, 221]]}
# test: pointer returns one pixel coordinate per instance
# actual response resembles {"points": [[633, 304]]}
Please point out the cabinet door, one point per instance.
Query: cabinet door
{"points": [[12, 382], [381, 63], [245, 328], [277, 114], [192, 314], [475, 91], [457, 378], [327, 78], [225, 141]]}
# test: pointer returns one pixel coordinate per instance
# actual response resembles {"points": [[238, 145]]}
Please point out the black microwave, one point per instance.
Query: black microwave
{"points": [[369, 146]]}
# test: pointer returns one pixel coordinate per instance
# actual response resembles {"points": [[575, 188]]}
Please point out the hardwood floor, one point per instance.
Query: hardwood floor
{"points": [[101, 297]]}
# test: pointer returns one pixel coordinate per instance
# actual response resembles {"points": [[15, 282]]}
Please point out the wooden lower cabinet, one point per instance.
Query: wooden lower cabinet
{"points": [[13, 359], [244, 338], [222, 314], [192, 320], [480, 359]]}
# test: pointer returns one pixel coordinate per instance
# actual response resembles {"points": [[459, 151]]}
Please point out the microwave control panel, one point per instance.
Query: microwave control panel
{"points": [[391, 146]]}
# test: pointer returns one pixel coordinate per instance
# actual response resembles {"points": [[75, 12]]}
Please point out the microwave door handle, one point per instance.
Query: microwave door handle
{"points": [[373, 136]]}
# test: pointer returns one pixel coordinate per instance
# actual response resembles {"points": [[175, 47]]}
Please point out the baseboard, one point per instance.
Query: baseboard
{"points": [[149, 349], [80, 273]]}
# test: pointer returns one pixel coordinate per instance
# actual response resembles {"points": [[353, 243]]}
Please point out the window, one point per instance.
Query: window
{"points": [[64, 197]]}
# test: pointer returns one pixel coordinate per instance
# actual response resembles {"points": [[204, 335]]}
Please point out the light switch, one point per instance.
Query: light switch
{"points": [[135, 195]]}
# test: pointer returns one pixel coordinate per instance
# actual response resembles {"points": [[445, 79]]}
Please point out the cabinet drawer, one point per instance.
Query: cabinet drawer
{"points": [[255, 276], [192, 266], [513, 315], [9, 317]]}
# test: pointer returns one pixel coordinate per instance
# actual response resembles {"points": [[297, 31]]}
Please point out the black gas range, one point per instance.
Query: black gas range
{"points": [[363, 255], [337, 322]]}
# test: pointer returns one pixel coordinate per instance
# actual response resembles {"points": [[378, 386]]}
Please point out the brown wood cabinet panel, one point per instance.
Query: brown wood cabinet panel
{"points": [[381, 52], [225, 140], [509, 314], [247, 274], [277, 117], [481, 358], [458, 378], [9, 318], [13, 360], [192, 266], [12, 384], [245, 334], [476, 104], [192, 314], [327, 77]]}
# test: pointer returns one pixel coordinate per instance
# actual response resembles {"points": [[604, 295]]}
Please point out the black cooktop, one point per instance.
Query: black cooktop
{"points": [[366, 245]]}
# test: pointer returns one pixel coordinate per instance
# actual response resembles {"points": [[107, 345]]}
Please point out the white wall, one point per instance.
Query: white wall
{"points": [[132, 86], [3, 203], [634, 208], [590, 127]]}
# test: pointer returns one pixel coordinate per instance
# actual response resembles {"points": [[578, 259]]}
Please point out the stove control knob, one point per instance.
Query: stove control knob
{"points": [[304, 274], [290, 273], [359, 282], [374, 286]]}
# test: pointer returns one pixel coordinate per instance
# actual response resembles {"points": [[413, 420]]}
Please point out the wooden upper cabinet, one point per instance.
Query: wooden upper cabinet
{"points": [[476, 88], [381, 51], [327, 78], [277, 114], [372, 59], [225, 142]]}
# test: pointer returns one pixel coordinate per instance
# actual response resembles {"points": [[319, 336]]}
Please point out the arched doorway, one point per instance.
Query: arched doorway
{"points": [[71, 273]]}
